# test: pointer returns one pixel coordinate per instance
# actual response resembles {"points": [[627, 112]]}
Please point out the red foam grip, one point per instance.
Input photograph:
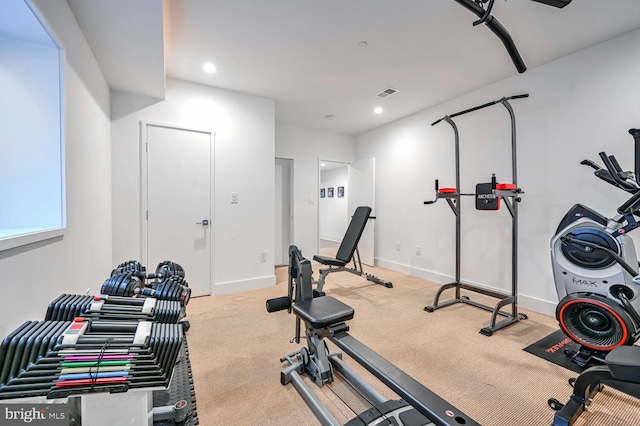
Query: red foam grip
{"points": [[505, 186], [447, 190]]}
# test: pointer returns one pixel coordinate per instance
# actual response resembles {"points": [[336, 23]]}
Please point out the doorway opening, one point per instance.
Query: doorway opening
{"points": [[333, 213], [346, 186], [283, 210]]}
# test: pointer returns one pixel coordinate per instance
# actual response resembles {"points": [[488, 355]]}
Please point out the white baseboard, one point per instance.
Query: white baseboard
{"points": [[331, 238], [538, 305], [243, 285], [528, 302]]}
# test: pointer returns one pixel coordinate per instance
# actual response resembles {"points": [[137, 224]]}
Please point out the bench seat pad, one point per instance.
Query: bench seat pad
{"points": [[328, 260], [624, 363], [321, 312]]}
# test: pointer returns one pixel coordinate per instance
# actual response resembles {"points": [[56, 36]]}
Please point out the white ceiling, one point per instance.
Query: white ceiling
{"points": [[126, 37], [305, 54]]}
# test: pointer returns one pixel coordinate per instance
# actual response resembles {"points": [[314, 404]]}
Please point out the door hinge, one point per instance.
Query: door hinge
{"points": [[146, 147], [147, 214]]}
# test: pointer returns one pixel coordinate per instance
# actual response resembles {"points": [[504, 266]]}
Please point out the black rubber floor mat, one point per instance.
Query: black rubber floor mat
{"points": [[552, 349], [180, 388]]}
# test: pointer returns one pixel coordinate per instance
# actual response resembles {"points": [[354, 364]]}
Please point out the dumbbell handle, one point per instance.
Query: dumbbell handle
{"points": [[113, 326], [104, 338]]}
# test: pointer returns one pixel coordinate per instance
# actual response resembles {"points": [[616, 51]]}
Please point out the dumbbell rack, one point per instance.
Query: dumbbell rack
{"points": [[510, 194], [114, 359], [62, 359]]}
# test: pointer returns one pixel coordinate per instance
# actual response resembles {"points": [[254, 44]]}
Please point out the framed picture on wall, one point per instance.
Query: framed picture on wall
{"points": [[321, 192], [330, 192], [341, 191]]}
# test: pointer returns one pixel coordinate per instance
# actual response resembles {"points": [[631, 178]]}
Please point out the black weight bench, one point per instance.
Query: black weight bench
{"points": [[349, 247]]}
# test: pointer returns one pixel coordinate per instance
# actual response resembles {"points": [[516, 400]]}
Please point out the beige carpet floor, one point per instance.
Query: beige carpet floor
{"points": [[235, 347]]}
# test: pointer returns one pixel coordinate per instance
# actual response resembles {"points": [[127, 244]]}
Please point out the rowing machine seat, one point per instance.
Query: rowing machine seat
{"points": [[624, 363], [321, 312]]}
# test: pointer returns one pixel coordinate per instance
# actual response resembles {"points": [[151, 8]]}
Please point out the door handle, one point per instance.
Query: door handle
{"points": [[205, 222]]}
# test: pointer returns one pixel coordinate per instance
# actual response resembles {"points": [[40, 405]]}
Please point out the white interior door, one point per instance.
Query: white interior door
{"points": [[179, 220], [362, 189]]}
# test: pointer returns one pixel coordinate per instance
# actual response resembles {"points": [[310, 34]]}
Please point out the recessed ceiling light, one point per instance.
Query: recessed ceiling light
{"points": [[209, 67], [363, 44], [378, 110], [322, 164]]}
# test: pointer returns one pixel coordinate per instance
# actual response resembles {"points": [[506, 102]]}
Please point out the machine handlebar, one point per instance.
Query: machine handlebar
{"points": [[590, 164], [436, 199], [631, 205], [570, 239], [636, 137], [612, 170], [615, 163]]}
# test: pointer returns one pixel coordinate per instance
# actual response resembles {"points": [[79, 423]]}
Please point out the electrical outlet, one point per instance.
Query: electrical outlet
{"points": [[234, 198], [397, 246], [418, 251], [263, 256]]}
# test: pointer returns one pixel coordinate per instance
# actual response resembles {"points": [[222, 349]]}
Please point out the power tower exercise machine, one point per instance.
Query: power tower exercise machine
{"points": [[326, 317], [488, 197]]}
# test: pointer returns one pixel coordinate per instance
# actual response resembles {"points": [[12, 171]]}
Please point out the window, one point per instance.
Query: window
{"points": [[32, 195]]}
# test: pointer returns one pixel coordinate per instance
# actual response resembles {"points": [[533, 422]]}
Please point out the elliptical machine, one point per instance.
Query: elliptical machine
{"points": [[595, 268]]}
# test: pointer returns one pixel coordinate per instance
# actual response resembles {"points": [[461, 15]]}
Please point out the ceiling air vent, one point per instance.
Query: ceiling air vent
{"points": [[387, 92]]}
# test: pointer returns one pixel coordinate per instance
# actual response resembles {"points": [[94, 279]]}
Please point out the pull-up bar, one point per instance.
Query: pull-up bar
{"points": [[488, 104], [496, 27], [475, 7]]}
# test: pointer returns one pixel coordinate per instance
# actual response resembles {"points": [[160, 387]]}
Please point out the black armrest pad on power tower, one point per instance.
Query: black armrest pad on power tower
{"points": [[328, 260], [624, 363], [321, 312]]}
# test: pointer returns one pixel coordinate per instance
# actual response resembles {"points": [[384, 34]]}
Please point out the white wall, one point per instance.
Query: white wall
{"points": [[244, 163], [306, 146], [333, 211], [34, 275], [579, 105]]}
